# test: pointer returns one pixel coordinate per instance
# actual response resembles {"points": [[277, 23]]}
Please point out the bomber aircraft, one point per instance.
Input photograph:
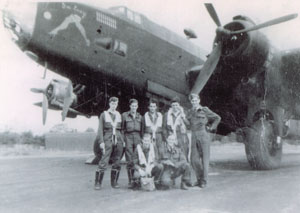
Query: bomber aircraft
{"points": [[120, 52]]}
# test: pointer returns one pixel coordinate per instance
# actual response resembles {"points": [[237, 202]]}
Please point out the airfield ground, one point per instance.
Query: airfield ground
{"points": [[60, 182]]}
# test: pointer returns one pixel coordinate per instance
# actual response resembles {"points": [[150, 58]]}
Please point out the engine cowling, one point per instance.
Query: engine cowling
{"points": [[242, 45]]}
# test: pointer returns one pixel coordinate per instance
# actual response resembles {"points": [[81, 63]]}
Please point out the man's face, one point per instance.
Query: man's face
{"points": [[146, 142], [152, 107], [195, 102], [175, 106], [113, 105], [133, 107], [171, 141]]}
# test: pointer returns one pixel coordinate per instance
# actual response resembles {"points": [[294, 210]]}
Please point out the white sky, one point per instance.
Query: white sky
{"points": [[18, 73]]}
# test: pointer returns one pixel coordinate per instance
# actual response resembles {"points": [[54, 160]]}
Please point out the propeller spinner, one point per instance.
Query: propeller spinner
{"points": [[225, 34]]}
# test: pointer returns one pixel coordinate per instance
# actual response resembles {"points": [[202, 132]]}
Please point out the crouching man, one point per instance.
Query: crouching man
{"points": [[175, 165], [147, 168]]}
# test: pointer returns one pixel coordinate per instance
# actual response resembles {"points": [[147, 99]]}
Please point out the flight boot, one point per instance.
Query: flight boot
{"points": [[114, 176], [98, 179], [197, 183], [183, 186], [130, 178]]}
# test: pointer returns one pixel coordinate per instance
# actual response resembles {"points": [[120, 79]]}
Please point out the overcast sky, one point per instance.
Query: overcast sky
{"points": [[18, 73]]}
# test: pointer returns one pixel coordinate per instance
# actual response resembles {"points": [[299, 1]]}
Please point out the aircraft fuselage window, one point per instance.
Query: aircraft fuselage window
{"points": [[105, 19], [120, 48]]}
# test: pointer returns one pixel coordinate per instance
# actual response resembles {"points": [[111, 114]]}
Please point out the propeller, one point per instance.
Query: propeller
{"points": [[212, 12], [45, 108], [44, 103], [68, 99], [207, 70], [37, 90], [214, 57], [268, 23]]}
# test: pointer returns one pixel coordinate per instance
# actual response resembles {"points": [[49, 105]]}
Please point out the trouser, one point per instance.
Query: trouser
{"points": [[158, 143], [113, 152], [131, 140], [200, 154], [184, 144], [182, 169]]}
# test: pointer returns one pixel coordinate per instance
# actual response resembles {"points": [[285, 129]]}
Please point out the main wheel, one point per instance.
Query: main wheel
{"points": [[261, 149]]}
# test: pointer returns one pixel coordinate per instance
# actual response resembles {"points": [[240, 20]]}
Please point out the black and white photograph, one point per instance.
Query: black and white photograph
{"points": [[150, 106]]}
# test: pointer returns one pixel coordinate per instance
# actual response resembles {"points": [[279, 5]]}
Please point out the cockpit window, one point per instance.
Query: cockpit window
{"points": [[121, 10], [137, 18], [129, 15]]}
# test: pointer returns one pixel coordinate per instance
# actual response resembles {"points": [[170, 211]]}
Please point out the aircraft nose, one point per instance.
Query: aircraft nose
{"points": [[19, 19]]}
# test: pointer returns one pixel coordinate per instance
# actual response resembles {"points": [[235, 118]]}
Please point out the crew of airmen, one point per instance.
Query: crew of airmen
{"points": [[156, 146]]}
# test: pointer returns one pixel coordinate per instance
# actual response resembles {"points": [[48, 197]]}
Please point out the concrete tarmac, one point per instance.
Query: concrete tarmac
{"points": [[63, 183]]}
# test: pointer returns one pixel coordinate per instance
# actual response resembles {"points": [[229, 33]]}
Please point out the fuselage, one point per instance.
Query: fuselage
{"points": [[121, 52], [116, 45]]}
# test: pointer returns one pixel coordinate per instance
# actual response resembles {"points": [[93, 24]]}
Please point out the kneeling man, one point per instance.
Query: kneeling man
{"points": [[145, 162], [175, 165]]}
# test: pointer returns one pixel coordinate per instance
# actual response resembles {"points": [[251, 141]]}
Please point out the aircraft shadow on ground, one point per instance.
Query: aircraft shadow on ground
{"points": [[231, 165]]}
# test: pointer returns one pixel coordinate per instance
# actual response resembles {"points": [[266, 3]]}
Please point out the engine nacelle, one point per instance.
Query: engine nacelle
{"points": [[57, 90], [243, 45]]}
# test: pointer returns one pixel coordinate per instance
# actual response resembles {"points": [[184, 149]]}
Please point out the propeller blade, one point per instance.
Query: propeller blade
{"points": [[45, 108], [67, 100], [207, 70], [37, 90], [268, 23], [212, 12]]}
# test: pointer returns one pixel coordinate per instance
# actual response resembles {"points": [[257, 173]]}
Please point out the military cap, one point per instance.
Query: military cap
{"points": [[193, 95], [113, 99], [175, 99]]}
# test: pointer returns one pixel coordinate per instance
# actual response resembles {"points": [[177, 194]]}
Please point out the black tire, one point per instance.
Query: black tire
{"points": [[262, 154]]}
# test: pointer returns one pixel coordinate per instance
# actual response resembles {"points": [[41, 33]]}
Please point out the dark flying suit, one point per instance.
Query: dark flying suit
{"points": [[200, 149], [113, 141], [173, 124], [131, 127], [152, 124], [175, 165]]}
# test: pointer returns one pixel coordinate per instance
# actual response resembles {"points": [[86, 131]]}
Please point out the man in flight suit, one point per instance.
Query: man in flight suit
{"points": [[174, 125], [146, 164], [111, 142], [131, 127], [175, 165], [200, 120], [152, 124]]}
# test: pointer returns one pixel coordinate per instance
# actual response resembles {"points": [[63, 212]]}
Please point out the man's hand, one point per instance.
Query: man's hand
{"points": [[169, 163], [102, 147], [210, 129], [182, 112]]}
